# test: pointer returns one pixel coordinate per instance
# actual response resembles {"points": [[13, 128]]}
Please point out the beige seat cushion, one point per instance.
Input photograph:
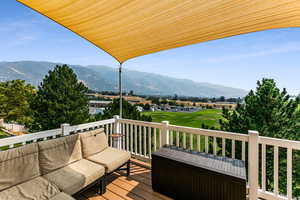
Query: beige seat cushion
{"points": [[93, 142], [62, 196], [111, 158], [57, 153], [72, 178], [35, 189], [18, 165]]}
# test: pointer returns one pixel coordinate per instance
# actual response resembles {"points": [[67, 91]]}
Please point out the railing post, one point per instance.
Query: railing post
{"points": [[117, 130], [165, 133], [65, 128], [253, 164]]}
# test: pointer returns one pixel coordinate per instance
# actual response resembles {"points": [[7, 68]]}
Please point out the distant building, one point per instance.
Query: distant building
{"points": [[140, 108], [96, 107], [98, 104], [130, 99], [94, 111]]}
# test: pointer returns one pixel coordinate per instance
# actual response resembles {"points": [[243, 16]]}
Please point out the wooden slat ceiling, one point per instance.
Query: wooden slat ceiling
{"points": [[130, 28]]}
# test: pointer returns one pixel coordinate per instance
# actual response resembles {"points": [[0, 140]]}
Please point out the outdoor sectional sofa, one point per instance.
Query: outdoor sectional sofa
{"points": [[57, 169]]}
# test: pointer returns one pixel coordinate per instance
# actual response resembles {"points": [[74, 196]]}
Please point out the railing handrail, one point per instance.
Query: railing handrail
{"points": [[28, 137], [90, 125], [207, 132], [217, 133], [196, 131], [279, 142], [137, 122], [10, 141]]}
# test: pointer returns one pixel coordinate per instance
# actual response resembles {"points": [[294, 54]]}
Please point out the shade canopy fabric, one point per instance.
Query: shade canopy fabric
{"points": [[129, 28]]}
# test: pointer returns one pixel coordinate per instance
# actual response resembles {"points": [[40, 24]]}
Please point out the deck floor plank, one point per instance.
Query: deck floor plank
{"points": [[119, 187]]}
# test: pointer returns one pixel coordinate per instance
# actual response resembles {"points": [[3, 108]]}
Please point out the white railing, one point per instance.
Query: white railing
{"points": [[142, 138], [65, 129], [275, 146]]}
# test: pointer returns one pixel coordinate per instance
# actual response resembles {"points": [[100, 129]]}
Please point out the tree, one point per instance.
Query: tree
{"points": [[147, 106], [268, 110], [175, 97], [222, 98], [272, 113], [14, 101], [128, 111], [131, 93], [60, 99]]}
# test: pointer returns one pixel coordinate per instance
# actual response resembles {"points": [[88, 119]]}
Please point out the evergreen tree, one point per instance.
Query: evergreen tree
{"points": [[14, 101], [272, 113], [268, 110], [60, 99]]}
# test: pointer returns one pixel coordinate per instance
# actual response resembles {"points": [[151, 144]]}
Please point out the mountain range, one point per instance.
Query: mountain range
{"points": [[104, 78]]}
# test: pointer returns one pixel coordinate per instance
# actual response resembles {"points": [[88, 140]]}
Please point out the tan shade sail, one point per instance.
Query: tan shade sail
{"points": [[129, 28]]}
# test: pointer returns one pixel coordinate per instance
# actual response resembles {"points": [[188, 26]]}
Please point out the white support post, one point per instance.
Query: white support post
{"points": [[65, 129], [1, 122], [165, 133], [253, 164], [117, 141]]}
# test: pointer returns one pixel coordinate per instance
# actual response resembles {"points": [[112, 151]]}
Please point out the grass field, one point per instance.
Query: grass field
{"points": [[208, 117], [3, 134]]}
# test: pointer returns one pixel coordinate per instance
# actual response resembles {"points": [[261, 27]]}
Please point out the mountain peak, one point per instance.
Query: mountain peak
{"points": [[104, 78]]}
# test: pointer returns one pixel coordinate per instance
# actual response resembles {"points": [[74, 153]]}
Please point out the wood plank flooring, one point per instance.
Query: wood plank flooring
{"points": [[135, 187]]}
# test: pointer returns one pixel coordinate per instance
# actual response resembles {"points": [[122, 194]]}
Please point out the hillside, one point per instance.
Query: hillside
{"points": [[106, 78]]}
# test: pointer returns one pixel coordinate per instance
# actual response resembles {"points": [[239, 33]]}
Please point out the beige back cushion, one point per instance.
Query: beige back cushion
{"points": [[57, 153], [18, 165], [93, 142]]}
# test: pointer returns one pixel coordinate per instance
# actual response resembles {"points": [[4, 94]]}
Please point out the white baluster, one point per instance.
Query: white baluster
{"points": [[140, 139], [263, 167], [177, 138], [215, 145], [131, 138], [149, 141], [243, 151], [184, 140], [233, 149], [276, 170], [171, 137], [191, 141], [145, 141], [289, 173], [135, 139], [127, 137], [123, 136], [223, 147], [206, 144], [199, 143], [155, 139]]}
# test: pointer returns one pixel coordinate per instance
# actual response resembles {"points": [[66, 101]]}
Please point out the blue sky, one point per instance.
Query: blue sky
{"points": [[236, 61]]}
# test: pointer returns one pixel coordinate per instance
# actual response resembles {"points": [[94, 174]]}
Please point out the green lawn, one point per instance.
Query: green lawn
{"points": [[209, 117], [3, 134]]}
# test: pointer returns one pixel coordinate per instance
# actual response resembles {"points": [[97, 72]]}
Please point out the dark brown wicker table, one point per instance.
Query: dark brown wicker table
{"points": [[183, 174]]}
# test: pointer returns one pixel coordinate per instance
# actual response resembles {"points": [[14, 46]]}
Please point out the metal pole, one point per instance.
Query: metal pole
{"points": [[120, 88]]}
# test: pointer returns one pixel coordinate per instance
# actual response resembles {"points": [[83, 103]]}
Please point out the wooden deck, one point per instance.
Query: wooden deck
{"points": [[135, 187]]}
